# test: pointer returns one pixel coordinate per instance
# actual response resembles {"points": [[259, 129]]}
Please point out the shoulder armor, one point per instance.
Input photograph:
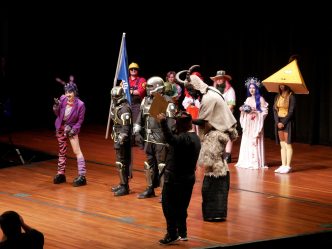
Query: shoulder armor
{"points": [[126, 118], [171, 110]]}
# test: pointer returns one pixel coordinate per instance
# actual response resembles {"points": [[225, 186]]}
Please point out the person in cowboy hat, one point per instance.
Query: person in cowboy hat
{"points": [[221, 81]]}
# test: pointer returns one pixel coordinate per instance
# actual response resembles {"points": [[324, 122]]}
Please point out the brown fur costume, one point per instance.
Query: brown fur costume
{"points": [[211, 154]]}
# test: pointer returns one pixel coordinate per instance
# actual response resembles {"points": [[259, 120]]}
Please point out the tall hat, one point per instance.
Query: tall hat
{"points": [[221, 74]]}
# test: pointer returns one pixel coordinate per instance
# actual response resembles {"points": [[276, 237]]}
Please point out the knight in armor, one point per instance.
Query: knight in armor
{"points": [[121, 116], [155, 146]]}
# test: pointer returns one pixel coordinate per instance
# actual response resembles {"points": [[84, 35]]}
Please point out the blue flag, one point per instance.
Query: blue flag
{"points": [[122, 68]]}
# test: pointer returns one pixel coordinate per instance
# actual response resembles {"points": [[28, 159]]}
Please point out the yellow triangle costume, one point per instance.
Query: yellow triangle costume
{"points": [[289, 75]]}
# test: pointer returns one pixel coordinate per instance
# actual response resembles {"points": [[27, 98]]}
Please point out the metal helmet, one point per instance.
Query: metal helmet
{"points": [[155, 84], [133, 65], [118, 95]]}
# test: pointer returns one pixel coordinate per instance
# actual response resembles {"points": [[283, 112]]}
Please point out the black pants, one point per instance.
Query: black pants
{"points": [[155, 154], [176, 197]]}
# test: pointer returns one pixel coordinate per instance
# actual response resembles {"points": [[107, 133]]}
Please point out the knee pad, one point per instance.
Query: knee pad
{"points": [[161, 167], [147, 166], [119, 165]]}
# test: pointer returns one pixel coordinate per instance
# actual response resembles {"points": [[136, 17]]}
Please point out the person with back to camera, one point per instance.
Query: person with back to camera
{"points": [[181, 159], [13, 237]]}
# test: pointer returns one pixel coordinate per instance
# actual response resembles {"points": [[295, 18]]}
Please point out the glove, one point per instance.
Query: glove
{"points": [[122, 138], [67, 130], [139, 140], [56, 104], [56, 101], [71, 133], [137, 128]]}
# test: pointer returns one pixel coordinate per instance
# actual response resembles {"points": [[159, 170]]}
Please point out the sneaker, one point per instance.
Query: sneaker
{"points": [[278, 169], [59, 178], [285, 170], [79, 181], [169, 240]]}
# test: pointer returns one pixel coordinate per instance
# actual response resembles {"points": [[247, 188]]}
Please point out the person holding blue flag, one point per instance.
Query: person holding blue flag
{"points": [[137, 88]]}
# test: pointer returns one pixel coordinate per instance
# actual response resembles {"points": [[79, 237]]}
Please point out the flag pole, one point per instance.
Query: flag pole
{"points": [[114, 83]]}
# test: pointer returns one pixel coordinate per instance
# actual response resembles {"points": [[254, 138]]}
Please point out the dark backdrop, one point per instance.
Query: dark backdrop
{"points": [[85, 42]]}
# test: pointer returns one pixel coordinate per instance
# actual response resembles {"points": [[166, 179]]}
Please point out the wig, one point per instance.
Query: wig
{"points": [[257, 96], [257, 84], [71, 87]]}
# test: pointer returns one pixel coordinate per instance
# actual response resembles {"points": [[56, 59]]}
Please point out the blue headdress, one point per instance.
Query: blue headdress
{"points": [[256, 82], [253, 80]]}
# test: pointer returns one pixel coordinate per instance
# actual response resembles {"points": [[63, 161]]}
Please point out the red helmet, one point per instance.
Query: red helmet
{"points": [[197, 74]]}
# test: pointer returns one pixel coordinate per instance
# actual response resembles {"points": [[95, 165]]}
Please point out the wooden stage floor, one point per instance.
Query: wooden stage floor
{"points": [[262, 205]]}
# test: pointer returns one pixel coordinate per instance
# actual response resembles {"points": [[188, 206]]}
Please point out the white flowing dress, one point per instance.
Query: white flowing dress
{"points": [[252, 153]]}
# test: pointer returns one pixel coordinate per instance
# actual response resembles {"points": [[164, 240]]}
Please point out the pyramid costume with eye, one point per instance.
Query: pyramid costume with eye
{"points": [[219, 126]]}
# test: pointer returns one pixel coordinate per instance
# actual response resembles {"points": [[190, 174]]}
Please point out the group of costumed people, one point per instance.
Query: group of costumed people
{"points": [[173, 146], [215, 120]]}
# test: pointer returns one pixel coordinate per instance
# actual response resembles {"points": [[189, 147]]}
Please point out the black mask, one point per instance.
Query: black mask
{"points": [[221, 87], [193, 92]]}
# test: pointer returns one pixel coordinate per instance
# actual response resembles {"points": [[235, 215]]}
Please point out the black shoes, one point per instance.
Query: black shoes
{"points": [[116, 188], [169, 240], [122, 190], [59, 178], [183, 236], [79, 181], [148, 193], [215, 219]]}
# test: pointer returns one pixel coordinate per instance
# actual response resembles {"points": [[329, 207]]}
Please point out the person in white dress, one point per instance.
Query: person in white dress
{"points": [[253, 114]]}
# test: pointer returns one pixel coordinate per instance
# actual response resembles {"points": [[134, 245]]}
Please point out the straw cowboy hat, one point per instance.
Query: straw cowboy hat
{"points": [[221, 74]]}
